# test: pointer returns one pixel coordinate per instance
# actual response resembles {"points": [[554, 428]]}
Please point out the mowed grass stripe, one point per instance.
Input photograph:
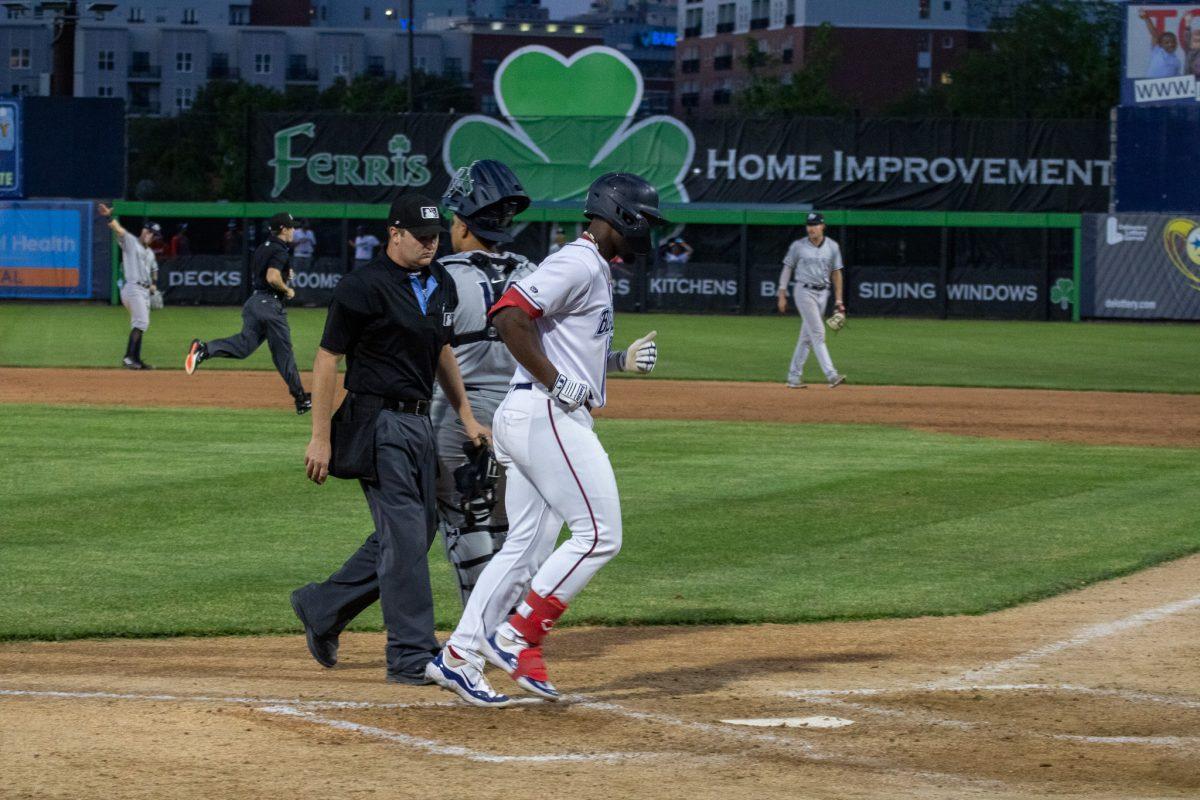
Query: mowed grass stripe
{"points": [[1089, 356], [123, 522]]}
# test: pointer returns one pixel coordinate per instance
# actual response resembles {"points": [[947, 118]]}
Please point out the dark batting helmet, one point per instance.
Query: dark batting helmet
{"points": [[629, 204], [486, 196]]}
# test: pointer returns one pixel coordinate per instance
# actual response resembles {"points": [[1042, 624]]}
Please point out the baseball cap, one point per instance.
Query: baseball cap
{"points": [[154, 228], [415, 213], [814, 218], [280, 221]]}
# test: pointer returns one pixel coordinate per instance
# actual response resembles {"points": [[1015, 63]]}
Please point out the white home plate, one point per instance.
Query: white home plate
{"points": [[793, 722]]}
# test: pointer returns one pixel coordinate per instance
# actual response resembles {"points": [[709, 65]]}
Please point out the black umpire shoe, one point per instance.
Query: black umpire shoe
{"points": [[323, 648], [304, 403], [406, 679]]}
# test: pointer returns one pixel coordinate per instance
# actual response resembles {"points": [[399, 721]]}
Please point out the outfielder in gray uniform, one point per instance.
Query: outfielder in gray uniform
{"points": [[140, 270], [812, 265], [484, 198]]}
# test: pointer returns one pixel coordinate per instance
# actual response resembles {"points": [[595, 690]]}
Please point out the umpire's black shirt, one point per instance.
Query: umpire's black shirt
{"points": [[271, 253], [375, 319]]}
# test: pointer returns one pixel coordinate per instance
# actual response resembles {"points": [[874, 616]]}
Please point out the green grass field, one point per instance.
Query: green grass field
{"points": [[1091, 356], [142, 522]]}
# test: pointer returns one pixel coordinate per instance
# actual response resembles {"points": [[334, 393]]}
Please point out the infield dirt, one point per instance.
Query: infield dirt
{"points": [[1091, 694]]}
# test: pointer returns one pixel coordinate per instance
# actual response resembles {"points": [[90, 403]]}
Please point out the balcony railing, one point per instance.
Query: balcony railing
{"points": [[301, 74], [689, 67], [219, 73], [691, 33], [721, 63], [759, 23], [722, 97], [380, 72], [724, 27], [144, 107], [145, 72], [790, 19]]}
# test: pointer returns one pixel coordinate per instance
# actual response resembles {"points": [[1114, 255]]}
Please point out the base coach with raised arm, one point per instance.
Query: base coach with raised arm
{"points": [[392, 321]]}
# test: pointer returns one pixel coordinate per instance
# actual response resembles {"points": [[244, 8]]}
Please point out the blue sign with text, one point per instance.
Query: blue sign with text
{"points": [[10, 149], [46, 250]]}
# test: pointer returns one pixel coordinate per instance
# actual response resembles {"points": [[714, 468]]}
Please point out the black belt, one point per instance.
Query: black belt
{"points": [[488, 334], [818, 287], [406, 406]]}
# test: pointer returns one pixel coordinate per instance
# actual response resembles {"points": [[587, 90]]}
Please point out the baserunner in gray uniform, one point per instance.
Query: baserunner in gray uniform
{"points": [[140, 271], [811, 266], [484, 198]]}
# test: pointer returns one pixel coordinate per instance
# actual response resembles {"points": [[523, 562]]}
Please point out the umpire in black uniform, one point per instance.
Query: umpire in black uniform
{"points": [[392, 320], [263, 314]]}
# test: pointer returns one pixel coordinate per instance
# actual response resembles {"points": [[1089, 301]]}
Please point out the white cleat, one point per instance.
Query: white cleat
{"points": [[465, 680]]}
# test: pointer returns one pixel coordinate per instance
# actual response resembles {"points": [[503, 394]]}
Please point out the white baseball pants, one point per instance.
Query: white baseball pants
{"points": [[811, 305], [557, 471]]}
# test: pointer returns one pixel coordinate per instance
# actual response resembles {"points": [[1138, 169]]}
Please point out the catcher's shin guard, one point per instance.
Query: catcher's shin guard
{"points": [[470, 545]]}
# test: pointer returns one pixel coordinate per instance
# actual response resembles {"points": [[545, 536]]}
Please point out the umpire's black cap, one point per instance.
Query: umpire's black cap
{"points": [[814, 218], [280, 221], [417, 214]]}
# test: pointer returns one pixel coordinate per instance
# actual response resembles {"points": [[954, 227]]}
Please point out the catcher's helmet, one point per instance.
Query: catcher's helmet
{"points": [[486, 196], [628, 203]]}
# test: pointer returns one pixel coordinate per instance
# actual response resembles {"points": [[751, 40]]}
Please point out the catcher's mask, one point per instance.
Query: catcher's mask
{"points": [[486, 196]]}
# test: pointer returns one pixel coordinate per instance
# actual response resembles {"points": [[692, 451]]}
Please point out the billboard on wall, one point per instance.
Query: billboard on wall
{"points": [[45, 250], [1145, 266], [563, 122], [11, 180], [1161, 54]]}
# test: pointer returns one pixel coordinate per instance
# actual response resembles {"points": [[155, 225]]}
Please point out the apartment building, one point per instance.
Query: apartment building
{"points": [[886, 48]]}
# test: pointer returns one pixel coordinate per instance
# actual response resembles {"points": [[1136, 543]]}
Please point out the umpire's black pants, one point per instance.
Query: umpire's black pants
{"points": [[263, 317], [391, 565]]}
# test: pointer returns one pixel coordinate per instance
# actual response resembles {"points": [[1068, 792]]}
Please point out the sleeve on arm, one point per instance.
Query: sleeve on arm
{"points": [[348, 316], [789, 264], [128, 242], [556, 286], [837, 255]]}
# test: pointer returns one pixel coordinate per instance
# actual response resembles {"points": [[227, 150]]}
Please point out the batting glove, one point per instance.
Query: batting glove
{"points": [[572, 394], [642, 355]]}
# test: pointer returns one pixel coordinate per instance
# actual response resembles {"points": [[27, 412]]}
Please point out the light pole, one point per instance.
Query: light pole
{"points": [[62, 42], [412, 56]]}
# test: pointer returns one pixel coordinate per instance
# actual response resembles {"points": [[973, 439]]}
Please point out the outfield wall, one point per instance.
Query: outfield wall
{"points": [[899, 263]]}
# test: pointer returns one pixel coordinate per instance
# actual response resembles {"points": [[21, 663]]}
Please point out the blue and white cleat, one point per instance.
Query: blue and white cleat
{"points": [[523, 663], [465, 680]]}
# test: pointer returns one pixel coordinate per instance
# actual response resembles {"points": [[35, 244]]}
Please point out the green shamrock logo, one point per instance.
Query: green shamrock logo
{"points": [[567, 121], [1063, 293]]}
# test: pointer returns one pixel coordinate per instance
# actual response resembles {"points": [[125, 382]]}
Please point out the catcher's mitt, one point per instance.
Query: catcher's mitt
{"points": [[476, 480], [837, 321]]}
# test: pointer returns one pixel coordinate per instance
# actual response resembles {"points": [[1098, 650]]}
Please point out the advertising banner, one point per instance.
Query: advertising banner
{"points": [[1146, 266], [558, 148], [1161, 56], [694, 287], [11, 180], [202, 280], [45, 250], [895, 291]]}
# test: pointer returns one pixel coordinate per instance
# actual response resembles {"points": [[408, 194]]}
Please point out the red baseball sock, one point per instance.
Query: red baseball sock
{"points": [[543, 611]]}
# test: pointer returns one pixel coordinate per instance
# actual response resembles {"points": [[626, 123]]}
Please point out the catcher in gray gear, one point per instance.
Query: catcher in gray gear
{"points": [[484, 198]]}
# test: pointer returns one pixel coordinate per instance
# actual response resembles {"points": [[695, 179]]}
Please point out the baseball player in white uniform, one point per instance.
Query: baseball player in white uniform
{"points": [[558, 324], [140, 270], [812, 265], [484, 197]]}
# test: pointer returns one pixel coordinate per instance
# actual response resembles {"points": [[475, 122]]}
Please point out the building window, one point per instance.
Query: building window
{"points": [[189, 16], [104, 91], [421, 63], [453, 67], [183, 62], [490, 65], [488, 104], [723, 56], [947, 42], [19, 58], [725, 17], [14, 13], [366, 13], [693, 18], [218, 66], [262, 63], [341, 64], [923, 8], [239, 15], [946, 5], [324, 13], [183, 98], [135, 14], [106, 60], [760, 14]]}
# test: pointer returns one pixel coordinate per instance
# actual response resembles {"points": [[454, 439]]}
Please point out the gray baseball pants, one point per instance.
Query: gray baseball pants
{"points": [[263, 317], [391, 566], [811, 305]]}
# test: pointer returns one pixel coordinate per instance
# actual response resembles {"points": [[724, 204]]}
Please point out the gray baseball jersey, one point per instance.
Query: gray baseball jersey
{"points": [[137, 260], [805, 263], [480, 278]]}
